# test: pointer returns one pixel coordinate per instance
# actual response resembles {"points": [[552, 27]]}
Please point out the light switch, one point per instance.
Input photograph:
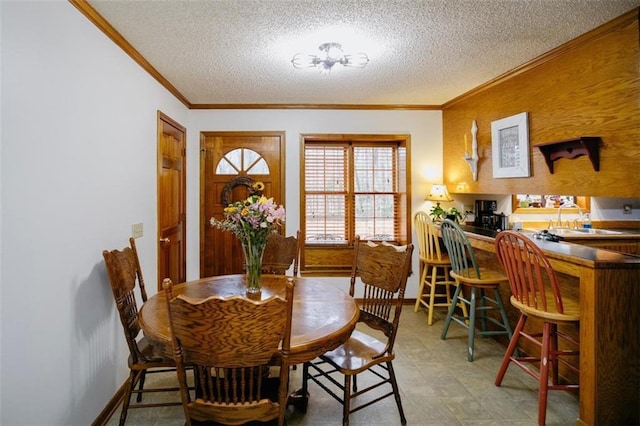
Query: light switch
{"points": [[136, 230]]}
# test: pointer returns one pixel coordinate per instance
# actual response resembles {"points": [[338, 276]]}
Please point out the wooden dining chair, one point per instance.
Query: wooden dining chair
{"points": [[280, 253], [123, 270], [480, 282], [379, 273], [435, 285], [536, 293], [230, 342]]}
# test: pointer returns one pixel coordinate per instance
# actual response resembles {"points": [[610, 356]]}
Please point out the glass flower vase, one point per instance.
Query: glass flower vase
{"points": [[253, 252]]}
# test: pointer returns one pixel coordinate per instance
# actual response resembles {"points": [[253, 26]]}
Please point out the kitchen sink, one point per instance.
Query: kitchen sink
{"points": [[596, 231], [582, 231]]}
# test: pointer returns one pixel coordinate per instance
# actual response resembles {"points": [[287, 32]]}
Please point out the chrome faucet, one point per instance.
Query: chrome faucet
{"points": [[559, 223]]}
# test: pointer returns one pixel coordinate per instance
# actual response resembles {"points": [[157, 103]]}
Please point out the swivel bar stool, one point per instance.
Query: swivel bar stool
{"points": [[479, 281]]}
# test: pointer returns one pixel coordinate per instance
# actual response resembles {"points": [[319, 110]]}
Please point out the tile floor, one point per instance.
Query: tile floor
{"points": [[438, 387]]}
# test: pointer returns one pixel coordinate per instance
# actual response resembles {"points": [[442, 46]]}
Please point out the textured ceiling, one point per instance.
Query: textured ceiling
{"points": [[422, 52]]}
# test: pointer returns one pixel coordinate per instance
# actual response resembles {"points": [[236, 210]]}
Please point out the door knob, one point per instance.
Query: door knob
{"points": [[164, 241]]}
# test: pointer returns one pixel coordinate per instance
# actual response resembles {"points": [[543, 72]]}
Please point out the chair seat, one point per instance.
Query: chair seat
{"points": [[152, 358], [357, 354], [490, 277], [443, 261], [571, 310]]}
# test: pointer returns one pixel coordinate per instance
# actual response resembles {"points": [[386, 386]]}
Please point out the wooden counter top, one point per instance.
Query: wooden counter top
{"points": [[608, 286], [566, 250]]}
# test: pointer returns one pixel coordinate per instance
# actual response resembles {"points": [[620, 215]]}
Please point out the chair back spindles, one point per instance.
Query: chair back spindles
{"points": [[281, 253], [531, 276], [143, 290], [122, 270], [461, 253], [428, 241], [382, 270]]}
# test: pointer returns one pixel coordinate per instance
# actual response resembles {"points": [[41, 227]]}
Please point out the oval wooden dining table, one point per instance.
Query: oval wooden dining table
{"points": [[323, 316]]}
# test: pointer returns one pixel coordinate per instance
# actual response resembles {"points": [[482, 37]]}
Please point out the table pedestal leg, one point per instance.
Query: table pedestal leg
{"points": [[299, 399]]}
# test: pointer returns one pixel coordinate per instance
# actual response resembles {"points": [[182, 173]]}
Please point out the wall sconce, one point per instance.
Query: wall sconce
{"points": [[461, 186], [472, 159], [439, 193]]}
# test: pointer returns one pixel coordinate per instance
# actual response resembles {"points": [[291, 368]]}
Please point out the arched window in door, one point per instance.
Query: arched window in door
{"points": [[242, 160]]}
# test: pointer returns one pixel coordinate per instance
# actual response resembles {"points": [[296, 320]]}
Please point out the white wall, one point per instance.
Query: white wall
{"points": [[78, 169], [425, 128]]}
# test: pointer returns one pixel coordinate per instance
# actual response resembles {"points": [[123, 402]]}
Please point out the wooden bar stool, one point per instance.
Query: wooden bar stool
{"points": [[480, 281], [435, 283], [535, 291]]}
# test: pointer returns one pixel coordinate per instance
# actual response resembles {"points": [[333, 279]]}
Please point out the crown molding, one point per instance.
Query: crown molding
{"points": [[117, 38], [318, 106]]}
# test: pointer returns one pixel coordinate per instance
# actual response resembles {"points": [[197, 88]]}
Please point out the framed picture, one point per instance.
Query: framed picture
{"points": [[510, 146]]}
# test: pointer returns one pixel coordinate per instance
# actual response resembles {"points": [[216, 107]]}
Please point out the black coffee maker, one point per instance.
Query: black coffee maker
{"points": [[486, 216], [484, 213]]}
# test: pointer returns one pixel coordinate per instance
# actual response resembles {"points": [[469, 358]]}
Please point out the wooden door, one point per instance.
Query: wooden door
{"points": [[171, 201], [229, 163]]}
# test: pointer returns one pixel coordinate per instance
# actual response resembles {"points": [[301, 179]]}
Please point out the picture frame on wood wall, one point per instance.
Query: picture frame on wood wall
{"points": [[510, 146]]}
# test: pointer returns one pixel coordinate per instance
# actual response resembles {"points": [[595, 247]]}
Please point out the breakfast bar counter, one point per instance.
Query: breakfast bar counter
{"points": [[608, 286]]}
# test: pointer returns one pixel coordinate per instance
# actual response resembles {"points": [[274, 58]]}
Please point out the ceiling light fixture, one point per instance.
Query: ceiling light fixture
{"points": [[332, 54]]}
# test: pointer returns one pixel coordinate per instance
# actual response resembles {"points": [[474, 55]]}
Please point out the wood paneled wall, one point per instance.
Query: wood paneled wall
{"points": [[587, 87]]}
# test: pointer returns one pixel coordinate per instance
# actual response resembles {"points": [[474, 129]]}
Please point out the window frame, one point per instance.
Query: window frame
{"points": [[335, 259], [583, 201]]}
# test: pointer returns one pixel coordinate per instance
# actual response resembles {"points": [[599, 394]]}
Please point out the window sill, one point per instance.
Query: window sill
{"points": [[544, 210]]}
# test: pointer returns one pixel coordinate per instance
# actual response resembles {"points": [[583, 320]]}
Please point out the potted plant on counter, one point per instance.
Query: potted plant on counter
{"points": [[438, 214]]}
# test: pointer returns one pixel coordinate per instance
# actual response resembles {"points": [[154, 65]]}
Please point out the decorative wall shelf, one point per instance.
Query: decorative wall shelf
{"points": [[572, 148]]}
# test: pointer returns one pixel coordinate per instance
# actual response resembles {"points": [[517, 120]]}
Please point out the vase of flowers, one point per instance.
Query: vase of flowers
{"points": [[252, 220], [253, 252]]}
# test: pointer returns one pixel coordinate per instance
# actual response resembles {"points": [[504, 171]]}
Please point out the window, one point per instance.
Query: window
{"points": [[242, 160], [352, 186], [543, 203]]}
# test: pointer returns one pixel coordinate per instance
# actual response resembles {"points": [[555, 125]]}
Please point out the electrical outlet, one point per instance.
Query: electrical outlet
{"points": [[626, 209], [137, 230], [468, 208]]}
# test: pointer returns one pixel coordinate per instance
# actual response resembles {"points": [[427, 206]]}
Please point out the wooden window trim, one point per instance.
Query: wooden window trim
{"points": [[583, 201], [335, 259]]}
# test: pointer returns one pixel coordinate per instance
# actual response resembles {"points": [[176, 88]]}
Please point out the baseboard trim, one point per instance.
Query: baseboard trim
{"points": [[404, 301]]}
